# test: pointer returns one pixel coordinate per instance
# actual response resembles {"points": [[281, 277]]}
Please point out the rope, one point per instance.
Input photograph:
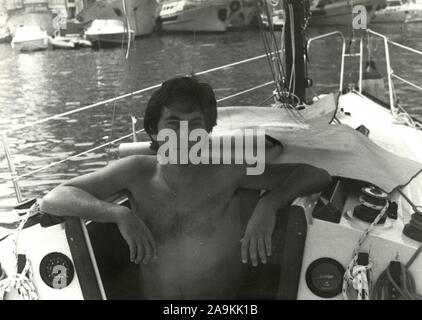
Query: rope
{"points": [[400, 114], [406, 289], [246, 91], [22, 282], [76, 155], [356, 276]]}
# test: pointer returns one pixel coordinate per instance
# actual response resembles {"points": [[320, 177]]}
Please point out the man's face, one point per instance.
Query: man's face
{"points": [[172, 117]]}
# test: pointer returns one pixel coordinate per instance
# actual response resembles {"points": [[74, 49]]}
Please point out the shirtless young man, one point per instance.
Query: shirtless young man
{"points": [[184, 225]]}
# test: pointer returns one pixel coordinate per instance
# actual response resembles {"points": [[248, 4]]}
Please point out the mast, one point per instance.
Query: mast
{"points": [[296, 45]]}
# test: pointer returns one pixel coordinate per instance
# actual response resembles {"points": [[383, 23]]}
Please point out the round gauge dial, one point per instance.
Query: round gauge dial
{"points": [[324, 277], [56, 270]]}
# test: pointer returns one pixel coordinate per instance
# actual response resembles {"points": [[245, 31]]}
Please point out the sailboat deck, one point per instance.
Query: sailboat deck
{"points": [[388, 133]]}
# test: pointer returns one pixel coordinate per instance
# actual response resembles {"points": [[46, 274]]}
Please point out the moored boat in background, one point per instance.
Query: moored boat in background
{"points": [[395, 11], [108, 32], [190, 15], [206, 16], [70, 41], [141, 14], [328, 12], [31, 13], [30, 38]]}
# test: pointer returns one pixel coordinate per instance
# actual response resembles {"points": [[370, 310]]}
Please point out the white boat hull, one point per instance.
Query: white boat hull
{"points": [[69, 42], [339, 13], [30, 45], [399, 16], [142, 14], [333, 19], [203, 19], [108, 39]]}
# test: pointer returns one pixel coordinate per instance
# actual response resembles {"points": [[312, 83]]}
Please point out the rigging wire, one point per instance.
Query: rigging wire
{"points": [[292, 83], [124, 64], [276, 51], [284, 92], [272, 59]]}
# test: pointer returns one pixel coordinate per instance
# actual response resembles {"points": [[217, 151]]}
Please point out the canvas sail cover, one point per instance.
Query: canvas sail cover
{"points": [[308, 138]]}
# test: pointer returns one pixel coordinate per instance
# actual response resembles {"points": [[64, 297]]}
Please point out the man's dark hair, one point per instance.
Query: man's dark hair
{"points": [[194, 95]]}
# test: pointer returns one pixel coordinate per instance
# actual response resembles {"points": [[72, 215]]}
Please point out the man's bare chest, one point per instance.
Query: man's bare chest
{"points": [[195, 211]]}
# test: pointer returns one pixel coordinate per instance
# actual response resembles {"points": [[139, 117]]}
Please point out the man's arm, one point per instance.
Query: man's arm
{"points": [[284, 183], [84, 197]]}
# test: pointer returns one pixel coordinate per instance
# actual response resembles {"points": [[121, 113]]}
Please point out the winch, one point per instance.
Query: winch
{"points": [[372, 201]]}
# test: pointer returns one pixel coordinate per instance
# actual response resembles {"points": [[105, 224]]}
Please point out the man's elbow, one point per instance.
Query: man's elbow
{"points": [[50, 202]]}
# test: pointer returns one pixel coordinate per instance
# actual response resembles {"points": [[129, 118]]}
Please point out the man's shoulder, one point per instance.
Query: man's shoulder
{"points": [[137, 164]]}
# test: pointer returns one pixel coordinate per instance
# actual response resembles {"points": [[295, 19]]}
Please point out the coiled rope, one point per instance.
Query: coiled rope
{"points": [[406, 288], [21, 282], [356, 276]]}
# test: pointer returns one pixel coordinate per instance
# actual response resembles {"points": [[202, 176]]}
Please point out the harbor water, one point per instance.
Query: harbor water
{"points": [[37, 85]]}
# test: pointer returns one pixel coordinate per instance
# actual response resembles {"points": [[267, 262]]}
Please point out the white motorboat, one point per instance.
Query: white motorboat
{"points": [[328, 12], [29, 38], [108, 32], [395, 11], [206, 16], [35, 13], [70, 41], [361, 238], [141, 14], [189, 15]]}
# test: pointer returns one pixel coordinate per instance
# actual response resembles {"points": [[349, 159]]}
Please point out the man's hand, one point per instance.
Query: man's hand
{"points": [[139, 238], [257, 239], [283, 183]]}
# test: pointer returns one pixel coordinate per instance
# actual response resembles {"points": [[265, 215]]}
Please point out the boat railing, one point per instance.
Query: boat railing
{"points": [[343, 53], [15, 177], [390, 72], [394, 107]]}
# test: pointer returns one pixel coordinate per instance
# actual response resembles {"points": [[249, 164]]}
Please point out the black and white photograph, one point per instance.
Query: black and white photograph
{"points": [[212, 155]]}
